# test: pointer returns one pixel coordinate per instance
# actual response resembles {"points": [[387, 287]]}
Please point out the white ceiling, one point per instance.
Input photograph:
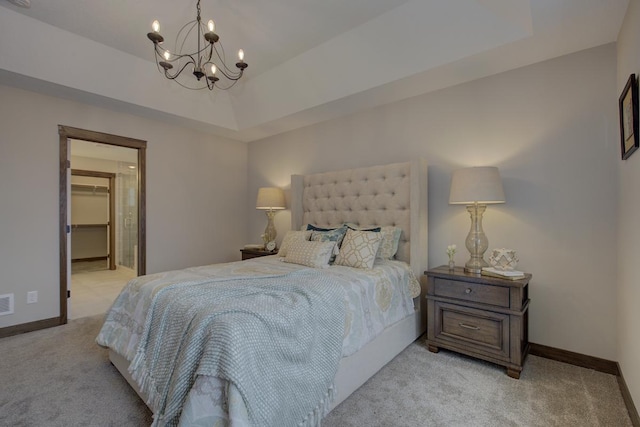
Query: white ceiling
{"points": [[309, 60]]}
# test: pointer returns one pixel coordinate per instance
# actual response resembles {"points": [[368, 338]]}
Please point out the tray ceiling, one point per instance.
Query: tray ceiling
{"points": [[309, 60]]}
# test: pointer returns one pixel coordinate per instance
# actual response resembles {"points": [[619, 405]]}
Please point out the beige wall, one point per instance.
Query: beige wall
{"points": [[196, 194], [551, 128], [628, 229]]}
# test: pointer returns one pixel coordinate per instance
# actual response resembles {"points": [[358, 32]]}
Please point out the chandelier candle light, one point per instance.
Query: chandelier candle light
{"points": [[270, 199], [476, 187], [201, 61]]}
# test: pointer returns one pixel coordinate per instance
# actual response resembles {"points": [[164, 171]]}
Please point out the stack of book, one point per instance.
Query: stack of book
{"points": [[503, 274]]}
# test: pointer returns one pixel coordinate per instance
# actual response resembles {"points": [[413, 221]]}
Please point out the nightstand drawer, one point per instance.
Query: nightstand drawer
{"points": [[476, 292], [481, 330]]}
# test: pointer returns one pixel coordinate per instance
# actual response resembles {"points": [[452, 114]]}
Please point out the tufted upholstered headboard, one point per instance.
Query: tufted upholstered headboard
{"points": [[394, 194]]}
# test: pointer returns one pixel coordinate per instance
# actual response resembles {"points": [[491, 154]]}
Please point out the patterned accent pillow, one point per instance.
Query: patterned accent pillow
{"points": [[389, 244], [334, 235], [290, 237], [311, 254], [359, 249], [390, 239]]}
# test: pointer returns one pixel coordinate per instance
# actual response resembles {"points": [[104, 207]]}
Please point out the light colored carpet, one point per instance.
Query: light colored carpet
{"points": [[420, 388], [93, 292], [60, 377]]}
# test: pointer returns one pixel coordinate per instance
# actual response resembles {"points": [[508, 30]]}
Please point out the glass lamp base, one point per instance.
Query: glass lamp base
{"points": [[270, 231], [476, 242]]}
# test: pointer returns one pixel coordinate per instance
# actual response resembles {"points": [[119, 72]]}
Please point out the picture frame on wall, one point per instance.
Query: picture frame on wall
{"points": [[628, 107]]}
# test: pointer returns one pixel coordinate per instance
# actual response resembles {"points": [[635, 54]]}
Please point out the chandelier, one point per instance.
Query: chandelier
{"points": [[202, 62]]}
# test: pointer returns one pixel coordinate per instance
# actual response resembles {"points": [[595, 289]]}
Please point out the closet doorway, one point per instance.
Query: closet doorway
{"points": [[102, 218]]}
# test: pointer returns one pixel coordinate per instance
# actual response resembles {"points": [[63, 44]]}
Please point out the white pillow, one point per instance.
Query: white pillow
{"points": [[359, 249], [311, 254], [290, 237]]}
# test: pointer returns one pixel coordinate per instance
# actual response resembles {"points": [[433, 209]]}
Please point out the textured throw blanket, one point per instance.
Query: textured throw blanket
{"points": [[278, 340]]}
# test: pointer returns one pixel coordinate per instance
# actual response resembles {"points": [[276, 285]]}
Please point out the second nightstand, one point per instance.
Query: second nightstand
{"points": [[479, 316], [255, 253]]}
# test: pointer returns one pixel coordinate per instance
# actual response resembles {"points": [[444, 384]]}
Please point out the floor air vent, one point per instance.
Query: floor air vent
{"points": [[6, 304]]}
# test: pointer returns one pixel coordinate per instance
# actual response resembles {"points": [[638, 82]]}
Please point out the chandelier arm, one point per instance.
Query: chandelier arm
{"points": [[156, 58], [187, 87], [222, 58], [228, 87], [210, 52], [170, 77], [159, 51], [230, 76], [160, 54], [184, 40]]}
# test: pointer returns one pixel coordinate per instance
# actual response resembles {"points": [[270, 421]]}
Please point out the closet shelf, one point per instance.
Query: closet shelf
{"points": [[90, 188]]}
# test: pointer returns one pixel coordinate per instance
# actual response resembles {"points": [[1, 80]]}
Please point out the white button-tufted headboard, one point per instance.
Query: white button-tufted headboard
{"points": [[394, 194]]}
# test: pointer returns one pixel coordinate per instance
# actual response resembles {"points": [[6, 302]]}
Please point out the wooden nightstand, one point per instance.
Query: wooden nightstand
{"points": [[479, 316], [255, 253]]}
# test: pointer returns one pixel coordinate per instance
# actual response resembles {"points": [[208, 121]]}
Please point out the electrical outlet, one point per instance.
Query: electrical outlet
{"points": [[32, 297]]}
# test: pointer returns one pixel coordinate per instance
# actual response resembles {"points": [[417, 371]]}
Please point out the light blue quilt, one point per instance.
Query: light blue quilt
{"points": [[277, 341]]}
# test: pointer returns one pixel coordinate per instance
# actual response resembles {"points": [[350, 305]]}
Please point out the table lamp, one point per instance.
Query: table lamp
{"points": [[270, 199], [476, 187]]}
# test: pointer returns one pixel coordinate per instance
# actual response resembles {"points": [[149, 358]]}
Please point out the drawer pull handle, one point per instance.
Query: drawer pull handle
{"points": [[467, 291], [475, 328]]}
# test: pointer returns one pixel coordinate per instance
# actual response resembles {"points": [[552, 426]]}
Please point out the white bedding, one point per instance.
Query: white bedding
{"points": [[374, 299]]}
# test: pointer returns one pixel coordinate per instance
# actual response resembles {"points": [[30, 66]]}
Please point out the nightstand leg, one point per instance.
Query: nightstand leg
{"points": [[513, 373], [433, 348]]}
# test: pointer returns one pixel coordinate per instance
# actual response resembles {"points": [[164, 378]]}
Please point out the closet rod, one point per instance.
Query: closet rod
{"points": [[102, 189], [106, 187]]}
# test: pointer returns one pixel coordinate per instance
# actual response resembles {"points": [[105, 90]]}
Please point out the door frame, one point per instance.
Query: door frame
{"points": [[112, 209], [65, 133]]}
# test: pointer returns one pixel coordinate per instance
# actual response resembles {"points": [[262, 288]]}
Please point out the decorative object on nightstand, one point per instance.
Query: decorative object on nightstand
{"points": [[503, 259], [451, 251], [480, 316], [270, 246], [476, 187], [270, 199]]}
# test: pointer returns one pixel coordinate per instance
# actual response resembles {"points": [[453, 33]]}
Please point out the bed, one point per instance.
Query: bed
{"points": [[391, 195]]}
